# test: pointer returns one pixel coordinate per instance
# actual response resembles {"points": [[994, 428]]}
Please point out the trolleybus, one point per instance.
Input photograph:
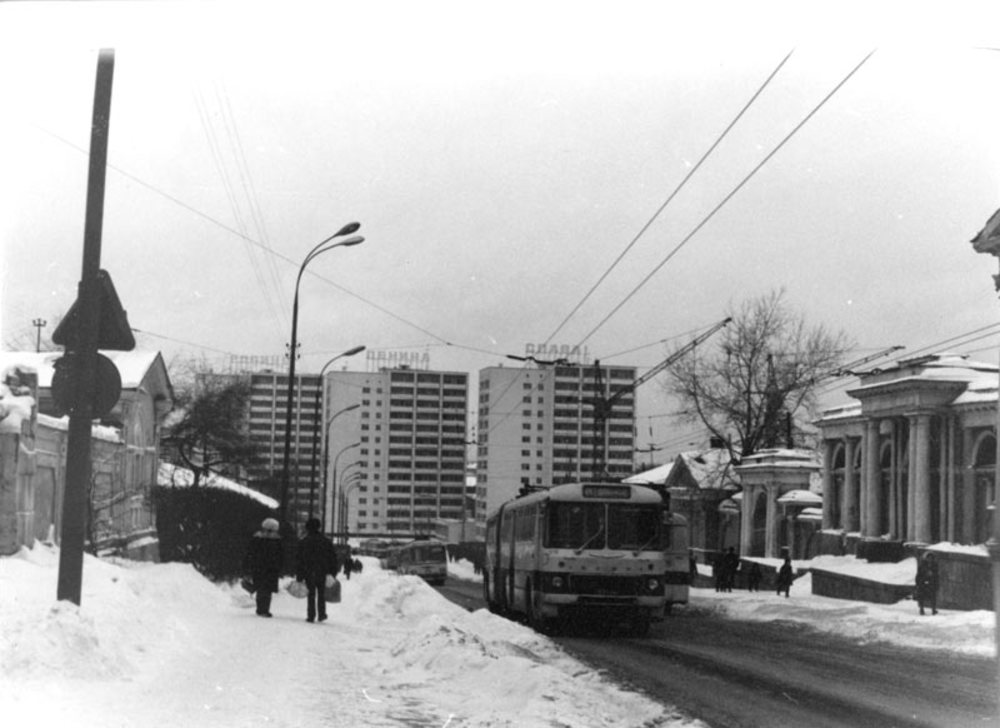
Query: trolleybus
{"points": [[426, 559], [597, 549]]}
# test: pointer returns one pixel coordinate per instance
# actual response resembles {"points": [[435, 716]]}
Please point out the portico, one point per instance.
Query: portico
{"points": [[912, 461]]}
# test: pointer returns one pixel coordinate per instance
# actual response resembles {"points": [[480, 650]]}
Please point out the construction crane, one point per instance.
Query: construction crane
{"points": [[603, 405]]}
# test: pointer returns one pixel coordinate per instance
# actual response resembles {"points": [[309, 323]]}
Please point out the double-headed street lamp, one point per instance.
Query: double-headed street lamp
{"points": [[346, 481], [319, 249], [333, 480], [317, 409]]}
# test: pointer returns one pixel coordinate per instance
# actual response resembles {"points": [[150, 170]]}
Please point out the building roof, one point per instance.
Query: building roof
{"points": [[655, 476], [173, 476], [132, 365]]}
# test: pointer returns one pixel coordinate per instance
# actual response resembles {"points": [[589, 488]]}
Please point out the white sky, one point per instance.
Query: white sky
{"points": [[500, 156], [156, 644]]}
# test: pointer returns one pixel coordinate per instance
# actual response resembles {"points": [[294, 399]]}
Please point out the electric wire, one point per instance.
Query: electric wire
{"points": [[250, 240], [727, 198], [670, 198]]}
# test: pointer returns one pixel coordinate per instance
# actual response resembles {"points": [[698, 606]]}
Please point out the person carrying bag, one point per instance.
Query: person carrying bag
{"points": [[317, 559]]}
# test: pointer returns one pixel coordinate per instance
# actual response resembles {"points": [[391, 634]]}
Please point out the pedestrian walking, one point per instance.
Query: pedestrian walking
{"points": [[348, 566], [317, 557], [927, 583], [785, 577], [731, 564], [263, 563], [754, 576], [692, 567]]}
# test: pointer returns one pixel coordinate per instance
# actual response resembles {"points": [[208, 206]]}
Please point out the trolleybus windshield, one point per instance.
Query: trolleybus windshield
{"points": [[582, 526]]}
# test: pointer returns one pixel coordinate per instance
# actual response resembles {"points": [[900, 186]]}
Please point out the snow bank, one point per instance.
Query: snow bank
{"points": [[159, 644]]}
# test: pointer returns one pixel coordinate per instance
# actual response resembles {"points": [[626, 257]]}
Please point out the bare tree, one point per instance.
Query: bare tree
{"points": [[764, 373], [210, 433]]}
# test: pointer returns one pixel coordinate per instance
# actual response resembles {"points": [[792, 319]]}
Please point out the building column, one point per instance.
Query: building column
{"points": [[829, 494], [922, 481], [771, 527], [967, 530], [871, 484], [849, 512]]}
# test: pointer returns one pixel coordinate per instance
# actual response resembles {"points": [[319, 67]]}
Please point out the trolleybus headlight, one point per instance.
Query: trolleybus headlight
{"points": [[557, 582], [653, 585]]}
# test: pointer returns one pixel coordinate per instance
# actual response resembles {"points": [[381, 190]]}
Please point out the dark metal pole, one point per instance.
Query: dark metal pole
{"points": [[84, 375]]}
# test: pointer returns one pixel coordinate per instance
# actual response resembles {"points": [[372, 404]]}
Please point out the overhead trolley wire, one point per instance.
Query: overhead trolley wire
{"points": [[728, 197], [670, 198], [247, 238]]}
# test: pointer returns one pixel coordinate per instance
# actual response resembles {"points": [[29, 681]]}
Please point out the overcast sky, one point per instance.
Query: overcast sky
{"points": [[500, 157]]}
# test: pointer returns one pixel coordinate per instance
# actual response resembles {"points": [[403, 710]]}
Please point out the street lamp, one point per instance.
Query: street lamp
{"points": [[342, 506], [319, 249], [316, 408], [333, 480], [350, 488]]}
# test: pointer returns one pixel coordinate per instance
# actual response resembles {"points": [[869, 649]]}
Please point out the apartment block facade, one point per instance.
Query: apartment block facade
{"points": [[396, 451], [268, 403], [537, 427]]}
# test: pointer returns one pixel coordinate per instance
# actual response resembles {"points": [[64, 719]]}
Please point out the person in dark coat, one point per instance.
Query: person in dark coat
{"points": [[754, 576], [927, 583], [785, 577], [730, 566], [316, 558], [263, 563]]}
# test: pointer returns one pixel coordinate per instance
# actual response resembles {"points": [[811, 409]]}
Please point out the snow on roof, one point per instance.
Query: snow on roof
{"points": [[656, 476], [711, 468], [132, 365], [800, 497], [173, 476]]}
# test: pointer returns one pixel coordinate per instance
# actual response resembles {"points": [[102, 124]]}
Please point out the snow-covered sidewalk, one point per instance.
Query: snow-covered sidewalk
{"points": [[156, 644]]}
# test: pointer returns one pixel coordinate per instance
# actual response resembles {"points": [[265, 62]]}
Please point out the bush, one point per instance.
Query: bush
{"points": [[209, 528]]}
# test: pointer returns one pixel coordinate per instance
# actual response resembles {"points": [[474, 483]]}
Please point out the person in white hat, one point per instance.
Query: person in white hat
{"points": [[264, 561]]}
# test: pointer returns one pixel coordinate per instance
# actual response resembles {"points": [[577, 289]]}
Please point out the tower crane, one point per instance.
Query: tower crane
{"points": [[603, 405]]}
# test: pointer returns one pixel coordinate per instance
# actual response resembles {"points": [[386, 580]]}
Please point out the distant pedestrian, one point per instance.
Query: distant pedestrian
{"points": [[927, 583], [263, 563], [348, 567], [731, 564], [317, 558], [785, 577], [692, 567], [357, 565], [754, 576]]}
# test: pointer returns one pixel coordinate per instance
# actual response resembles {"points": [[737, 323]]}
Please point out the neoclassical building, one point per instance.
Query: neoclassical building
{"points": [[913, 461]]}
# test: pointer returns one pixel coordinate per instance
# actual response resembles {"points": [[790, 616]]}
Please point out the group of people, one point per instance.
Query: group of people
{"points": [[729, 565], [316, 558]]}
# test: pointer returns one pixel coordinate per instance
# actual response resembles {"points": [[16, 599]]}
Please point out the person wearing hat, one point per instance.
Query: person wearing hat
{"points": [[263, 561], [316, 558]]}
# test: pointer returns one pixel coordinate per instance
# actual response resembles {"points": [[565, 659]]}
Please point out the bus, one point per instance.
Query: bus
{"points": [[583, 550], [426, 559]]}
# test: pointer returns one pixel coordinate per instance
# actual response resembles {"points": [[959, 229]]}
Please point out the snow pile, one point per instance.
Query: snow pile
{"points": [[963, 632], [158, 644]]}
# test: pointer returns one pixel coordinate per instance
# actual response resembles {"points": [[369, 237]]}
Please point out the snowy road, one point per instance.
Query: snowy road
{"points": [[770, 674]]}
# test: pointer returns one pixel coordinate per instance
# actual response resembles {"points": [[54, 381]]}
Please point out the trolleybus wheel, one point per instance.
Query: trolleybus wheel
{"points": [[536, 620]]}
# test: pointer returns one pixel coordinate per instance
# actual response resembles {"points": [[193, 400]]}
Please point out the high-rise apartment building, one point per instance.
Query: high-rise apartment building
{"points": [[396, 450], [268, 403], [537, 427]]}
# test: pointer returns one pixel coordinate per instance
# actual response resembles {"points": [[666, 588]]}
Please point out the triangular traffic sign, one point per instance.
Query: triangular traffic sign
{"points": [[114, 333]]}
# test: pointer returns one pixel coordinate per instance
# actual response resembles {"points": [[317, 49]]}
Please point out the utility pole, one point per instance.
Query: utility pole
{"points": [[38, 324], [83, 375]]}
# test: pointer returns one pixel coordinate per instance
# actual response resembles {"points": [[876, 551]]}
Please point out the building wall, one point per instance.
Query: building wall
{"points": [[396, 461], [914, 461], [536, 428]]}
